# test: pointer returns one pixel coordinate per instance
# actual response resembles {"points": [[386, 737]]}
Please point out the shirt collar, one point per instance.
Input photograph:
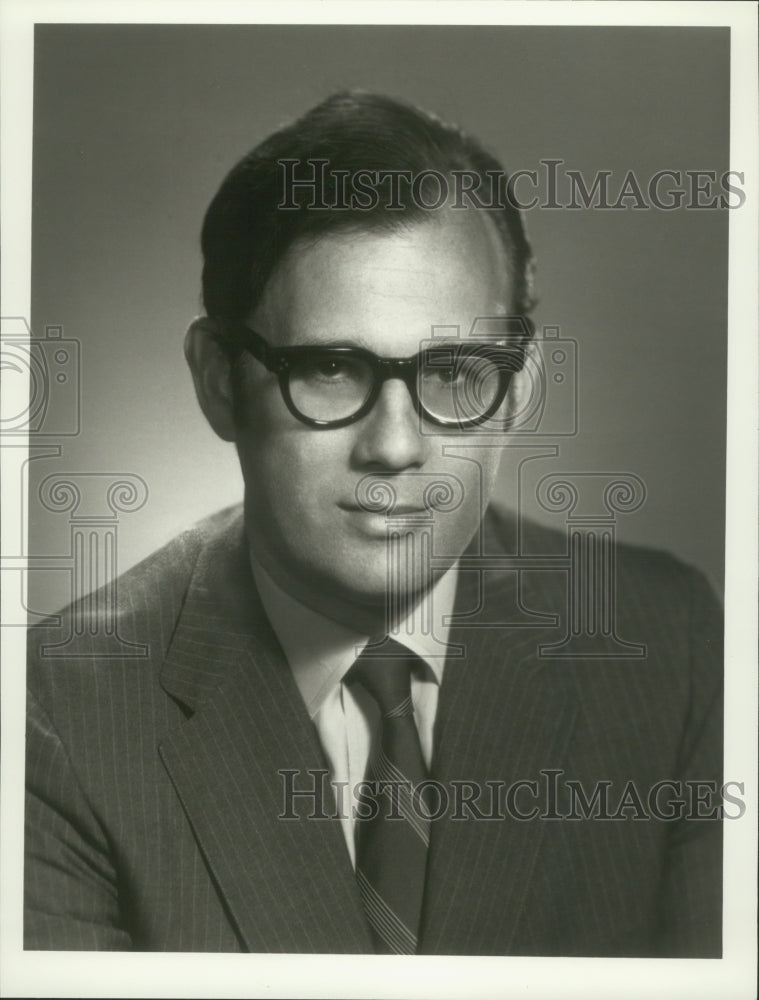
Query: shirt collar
{"points": [[320, 651]]}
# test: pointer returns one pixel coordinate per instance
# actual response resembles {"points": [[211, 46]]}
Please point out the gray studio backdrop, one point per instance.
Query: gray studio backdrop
{"points": [[134, 128]]}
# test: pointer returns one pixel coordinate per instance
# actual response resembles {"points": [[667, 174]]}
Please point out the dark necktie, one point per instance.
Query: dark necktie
{"points": [[391, 845]]}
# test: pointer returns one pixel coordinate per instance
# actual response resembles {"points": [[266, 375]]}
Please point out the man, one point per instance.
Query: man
{"points": [[336, 741]]}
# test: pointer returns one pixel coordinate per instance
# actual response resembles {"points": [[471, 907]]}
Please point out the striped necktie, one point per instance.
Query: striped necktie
{"points": [[391, 843]]}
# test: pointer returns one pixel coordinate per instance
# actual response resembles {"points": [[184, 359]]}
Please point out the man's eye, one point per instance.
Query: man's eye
{"points": [[444, 375], [332, 369], [329, 370]]}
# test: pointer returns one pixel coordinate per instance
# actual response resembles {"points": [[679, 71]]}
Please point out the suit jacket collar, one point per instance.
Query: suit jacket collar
{"points": [[221, 619]]}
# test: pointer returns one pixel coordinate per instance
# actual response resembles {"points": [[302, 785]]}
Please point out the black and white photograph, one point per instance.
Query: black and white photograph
{"points": [[379, 485]]}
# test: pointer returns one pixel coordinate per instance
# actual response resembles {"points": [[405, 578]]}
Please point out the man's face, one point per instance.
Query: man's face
{"points": [[382, 291]]}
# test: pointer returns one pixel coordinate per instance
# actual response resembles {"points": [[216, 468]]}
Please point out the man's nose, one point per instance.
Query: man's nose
{"points": [[389, 436]]}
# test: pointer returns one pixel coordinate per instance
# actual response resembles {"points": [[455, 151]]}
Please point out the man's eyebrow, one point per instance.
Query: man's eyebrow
{"points": [[356, 342], [332, 342]]}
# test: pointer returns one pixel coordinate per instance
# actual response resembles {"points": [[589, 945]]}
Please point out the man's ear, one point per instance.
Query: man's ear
{"points": [[211, 373]]}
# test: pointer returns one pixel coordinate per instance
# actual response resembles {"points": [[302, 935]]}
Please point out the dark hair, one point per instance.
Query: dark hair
{"points": [[246, 232]]}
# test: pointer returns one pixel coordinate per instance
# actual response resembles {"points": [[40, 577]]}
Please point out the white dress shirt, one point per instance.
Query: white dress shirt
{"points": [[321, 651]]}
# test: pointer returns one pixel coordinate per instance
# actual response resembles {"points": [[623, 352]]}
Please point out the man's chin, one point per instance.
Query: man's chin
{"points": [[370, 589], [365, 599], [362, 586]]}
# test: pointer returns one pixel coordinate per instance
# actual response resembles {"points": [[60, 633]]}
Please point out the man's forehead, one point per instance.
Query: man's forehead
{"points": [[443, 271]]}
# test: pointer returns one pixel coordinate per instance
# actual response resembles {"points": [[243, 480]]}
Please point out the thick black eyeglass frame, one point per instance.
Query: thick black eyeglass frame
{"points": [[279, 360]]}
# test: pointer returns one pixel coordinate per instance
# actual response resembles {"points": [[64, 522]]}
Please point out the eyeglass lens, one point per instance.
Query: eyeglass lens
{"points": [[330, 388]]}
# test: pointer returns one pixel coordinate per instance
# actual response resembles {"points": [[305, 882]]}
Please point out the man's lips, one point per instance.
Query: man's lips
{"points": [[395, 509]]}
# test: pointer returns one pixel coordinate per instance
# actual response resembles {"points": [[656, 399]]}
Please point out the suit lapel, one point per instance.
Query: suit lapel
{"points": [[287, 883], [504, 715]]}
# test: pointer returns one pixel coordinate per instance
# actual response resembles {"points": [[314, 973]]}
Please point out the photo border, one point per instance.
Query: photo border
{"points": [[210, 975]]}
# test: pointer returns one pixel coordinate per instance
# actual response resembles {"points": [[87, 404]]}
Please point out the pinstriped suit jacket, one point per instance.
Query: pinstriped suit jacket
{"points": [[154, 784]]}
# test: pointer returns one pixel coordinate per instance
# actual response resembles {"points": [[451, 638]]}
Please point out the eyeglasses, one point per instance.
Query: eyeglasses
{"points": [[456, 385]]}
